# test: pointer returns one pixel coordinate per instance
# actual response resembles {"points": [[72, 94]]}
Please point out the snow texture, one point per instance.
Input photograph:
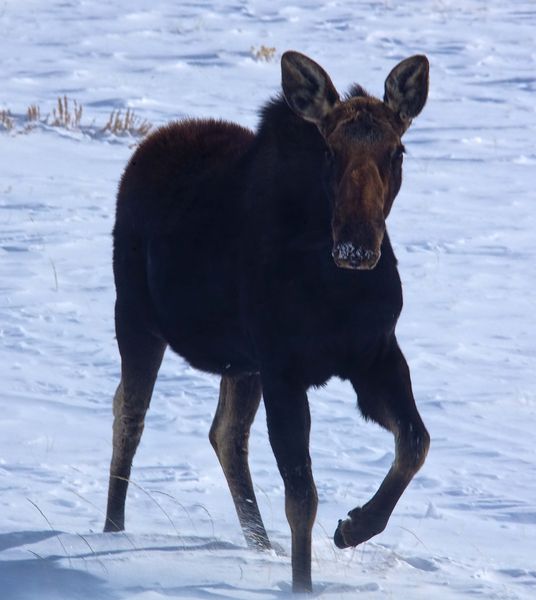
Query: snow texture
{"points": [[463, 228]]}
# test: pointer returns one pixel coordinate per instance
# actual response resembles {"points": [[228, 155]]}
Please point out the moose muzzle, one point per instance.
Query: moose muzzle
{"points": [[348, 256], [358, 222]]}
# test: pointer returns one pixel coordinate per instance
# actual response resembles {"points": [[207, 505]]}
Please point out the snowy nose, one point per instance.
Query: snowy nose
{"points": [[348, 256]]}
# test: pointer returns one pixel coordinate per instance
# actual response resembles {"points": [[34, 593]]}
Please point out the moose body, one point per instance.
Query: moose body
{"points": [[263, 257]]}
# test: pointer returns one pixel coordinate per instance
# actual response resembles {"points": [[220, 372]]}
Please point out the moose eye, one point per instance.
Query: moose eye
{"points": [[398, 154]]}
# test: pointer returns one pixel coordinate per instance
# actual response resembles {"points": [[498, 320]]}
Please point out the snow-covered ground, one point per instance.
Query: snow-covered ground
{"points": [[464, 230]]}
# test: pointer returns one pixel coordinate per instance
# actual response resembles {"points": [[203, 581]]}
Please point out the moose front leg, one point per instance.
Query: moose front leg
{"points": [[385, 396], [289, 424]]}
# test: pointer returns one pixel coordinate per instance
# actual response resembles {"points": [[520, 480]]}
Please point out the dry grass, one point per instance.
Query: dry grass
{"points": [[263, 54], [129, 123], [6, 122], [66, 116], [33, 113]]}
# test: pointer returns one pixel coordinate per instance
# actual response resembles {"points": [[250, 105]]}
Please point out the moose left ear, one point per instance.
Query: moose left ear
{"points": [[406, 88]]}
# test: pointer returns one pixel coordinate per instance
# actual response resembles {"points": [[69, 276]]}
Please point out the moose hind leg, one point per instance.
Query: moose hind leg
{"points": [[141, 356], [238, 403], [385, 396]]}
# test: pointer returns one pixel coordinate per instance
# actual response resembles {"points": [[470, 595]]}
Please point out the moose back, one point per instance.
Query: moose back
{"points": [[264, 257]]}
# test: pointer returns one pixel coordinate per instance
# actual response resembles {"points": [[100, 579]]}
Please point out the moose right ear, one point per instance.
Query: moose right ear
{"points": [[307, 88], [406, 88]]}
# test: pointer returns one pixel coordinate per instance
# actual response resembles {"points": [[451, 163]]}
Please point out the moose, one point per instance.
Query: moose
{"points": [[264, 258]]}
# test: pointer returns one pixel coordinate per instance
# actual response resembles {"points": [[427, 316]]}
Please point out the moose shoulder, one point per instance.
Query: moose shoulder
{"points": [[264, 257]]}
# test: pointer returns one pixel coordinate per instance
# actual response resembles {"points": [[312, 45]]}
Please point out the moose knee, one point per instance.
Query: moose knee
{"points": [[228, 442], [413, 442], [301, 499]]}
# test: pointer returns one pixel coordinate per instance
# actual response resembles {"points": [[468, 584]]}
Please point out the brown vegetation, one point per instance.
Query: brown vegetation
{"points": [[263, 54], [6, 121], [129, 123]]}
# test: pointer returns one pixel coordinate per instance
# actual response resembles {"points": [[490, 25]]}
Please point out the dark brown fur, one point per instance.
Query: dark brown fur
{"points": [[264, 257]]}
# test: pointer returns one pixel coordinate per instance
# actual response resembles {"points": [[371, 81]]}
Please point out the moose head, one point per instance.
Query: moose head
{"points": [[363, 138]]}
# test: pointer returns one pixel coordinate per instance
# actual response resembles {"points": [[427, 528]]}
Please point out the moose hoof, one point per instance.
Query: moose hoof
{"points": [[111, 526], [360, 526], [269, 547], [278, 549]]}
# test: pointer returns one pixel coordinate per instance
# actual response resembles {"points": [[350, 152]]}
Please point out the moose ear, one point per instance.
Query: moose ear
{"points": [[406, 88], [307, 88]]}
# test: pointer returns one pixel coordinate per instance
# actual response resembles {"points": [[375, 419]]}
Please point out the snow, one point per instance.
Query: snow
{"points": [[463, 230]]}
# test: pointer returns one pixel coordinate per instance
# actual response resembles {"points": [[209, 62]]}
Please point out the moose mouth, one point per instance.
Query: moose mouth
{"points": [[347, 256]]}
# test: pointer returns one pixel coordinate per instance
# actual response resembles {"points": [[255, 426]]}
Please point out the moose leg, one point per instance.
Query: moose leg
{"points": [[289, 423], [385, 396], [141, 356], [239, 400]]}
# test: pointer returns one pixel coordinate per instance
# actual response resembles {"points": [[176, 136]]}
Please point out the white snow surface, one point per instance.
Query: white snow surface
{"points": [[463, 228]]}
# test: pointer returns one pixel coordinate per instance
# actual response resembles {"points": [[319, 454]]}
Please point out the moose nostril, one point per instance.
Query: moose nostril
{"points": [[346, 254], [345, 251]]}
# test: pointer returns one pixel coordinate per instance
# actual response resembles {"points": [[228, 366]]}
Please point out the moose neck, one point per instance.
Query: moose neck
{"points": [[294, 152]]}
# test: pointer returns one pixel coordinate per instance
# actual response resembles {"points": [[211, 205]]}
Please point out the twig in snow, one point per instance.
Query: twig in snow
{"points": [[210, 517], [52, 529], [192, 522], [149, 494], [415, 536], [56, 287], [103, 513], [93, 552]]}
